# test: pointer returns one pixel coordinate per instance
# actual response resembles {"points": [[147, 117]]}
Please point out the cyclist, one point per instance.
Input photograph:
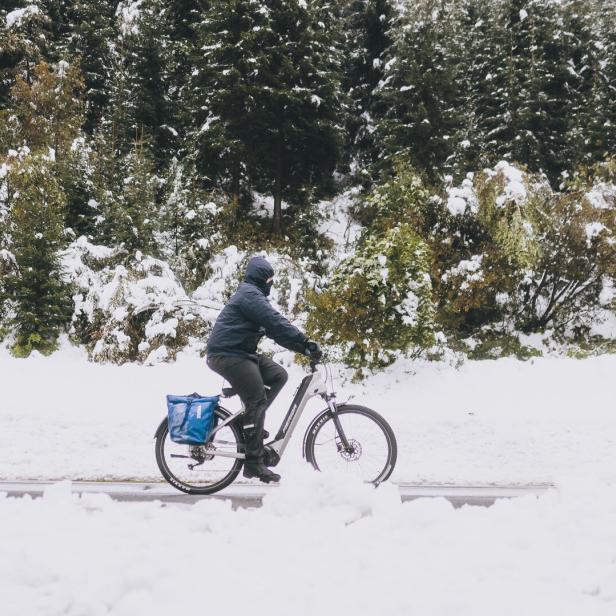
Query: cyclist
{"points": [[232, 353]]}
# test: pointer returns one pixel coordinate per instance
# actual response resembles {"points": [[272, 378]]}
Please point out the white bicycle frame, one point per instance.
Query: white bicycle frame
{"points": [[312, 385]]}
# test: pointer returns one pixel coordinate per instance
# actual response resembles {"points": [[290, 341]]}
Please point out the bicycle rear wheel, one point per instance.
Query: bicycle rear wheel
{"points": [[372, 452], [195, 469]]}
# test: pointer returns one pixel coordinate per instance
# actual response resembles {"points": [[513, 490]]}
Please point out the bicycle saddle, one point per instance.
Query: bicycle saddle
{"points": [[228, 392]]}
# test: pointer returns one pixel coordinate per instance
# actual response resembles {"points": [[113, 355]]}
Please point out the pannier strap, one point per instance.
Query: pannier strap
{"points": [[228, 392]]}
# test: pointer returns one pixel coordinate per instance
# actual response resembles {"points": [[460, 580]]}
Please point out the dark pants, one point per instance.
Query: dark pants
{"points": [[257, 383]]}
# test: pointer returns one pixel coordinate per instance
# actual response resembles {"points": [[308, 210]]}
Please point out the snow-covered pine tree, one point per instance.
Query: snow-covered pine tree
{"points": [[127, 198], [477, 41], [546, 89], [584, 75], [191, 215], [419, 93], [46, 115], [601, 111], [139, 102], [88, 34], [24, 26], [367, 24], [39, 296], [182, 17], [266, 97]]}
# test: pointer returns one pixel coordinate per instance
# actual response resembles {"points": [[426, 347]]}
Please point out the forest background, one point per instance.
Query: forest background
{"points": [[428, 177]]}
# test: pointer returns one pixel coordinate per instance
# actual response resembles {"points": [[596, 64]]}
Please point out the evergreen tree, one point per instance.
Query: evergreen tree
{"points": [[48, 107], [139, 98], [419, 92], [87, 33], [24, 42], [182, 18], [367, 25], [46, 115], [601, 109], [266, 97], [477, 42], [127, 198], [40, 296]]}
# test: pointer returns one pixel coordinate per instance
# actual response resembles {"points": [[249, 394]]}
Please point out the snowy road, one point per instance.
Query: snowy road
{"points": [[244, 496], [318, 544]]}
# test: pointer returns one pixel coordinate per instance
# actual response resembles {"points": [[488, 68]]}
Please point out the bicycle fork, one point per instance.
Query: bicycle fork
{"points": [[333, 409]]}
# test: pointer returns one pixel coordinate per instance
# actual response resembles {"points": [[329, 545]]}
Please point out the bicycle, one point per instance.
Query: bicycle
{"points": [[342, 434]]}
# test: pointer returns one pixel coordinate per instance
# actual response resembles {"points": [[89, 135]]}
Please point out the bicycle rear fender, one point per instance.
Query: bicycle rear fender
{"points": [[161, 427]]}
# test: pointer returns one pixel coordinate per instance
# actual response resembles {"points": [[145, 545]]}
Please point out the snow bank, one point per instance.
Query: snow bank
{"points": [[317, 546], [504, 421]]}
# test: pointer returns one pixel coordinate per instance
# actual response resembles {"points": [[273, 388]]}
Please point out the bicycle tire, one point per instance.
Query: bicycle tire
{"points": [[228, 479], [324, 418]]}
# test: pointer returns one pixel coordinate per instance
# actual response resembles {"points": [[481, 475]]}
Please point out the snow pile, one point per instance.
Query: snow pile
{"points": [[317, 545], [502, 421]]}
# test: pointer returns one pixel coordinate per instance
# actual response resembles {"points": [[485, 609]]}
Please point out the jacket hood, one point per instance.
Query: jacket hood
{"points": [[258, 271]]}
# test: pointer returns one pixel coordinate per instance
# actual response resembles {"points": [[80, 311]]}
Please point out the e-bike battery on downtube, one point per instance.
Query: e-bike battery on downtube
{"points": [[311, 385]]}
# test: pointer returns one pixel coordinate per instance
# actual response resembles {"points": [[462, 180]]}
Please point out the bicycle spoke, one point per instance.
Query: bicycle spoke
{"points": [[368, 453]]}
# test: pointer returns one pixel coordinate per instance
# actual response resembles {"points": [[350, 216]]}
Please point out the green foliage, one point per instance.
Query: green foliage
{"points": [[537, 260], [40, 297], [127, 192], [404, 196], [378, 303], [47, 108]]}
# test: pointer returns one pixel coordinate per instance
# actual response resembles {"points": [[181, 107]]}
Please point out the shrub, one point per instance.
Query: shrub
{"points": [[379, 302], [537, 258], [129, 307]]}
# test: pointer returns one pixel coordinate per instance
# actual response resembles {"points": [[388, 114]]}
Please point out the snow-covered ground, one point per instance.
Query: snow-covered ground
{"points": [[321, 544], [503, 421]]}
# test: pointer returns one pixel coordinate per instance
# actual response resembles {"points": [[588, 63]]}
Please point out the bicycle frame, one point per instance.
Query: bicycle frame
{"points": [[312, 385]]}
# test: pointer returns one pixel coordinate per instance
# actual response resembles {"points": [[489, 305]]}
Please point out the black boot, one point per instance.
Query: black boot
{"points": [[254, 465], [257, 469]]}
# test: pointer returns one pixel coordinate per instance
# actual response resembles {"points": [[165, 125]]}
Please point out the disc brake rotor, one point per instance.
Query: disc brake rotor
{"points": [[352, 453]]}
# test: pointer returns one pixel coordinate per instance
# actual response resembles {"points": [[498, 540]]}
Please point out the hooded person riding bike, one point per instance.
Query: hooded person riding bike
{"points": [[232, 353]]}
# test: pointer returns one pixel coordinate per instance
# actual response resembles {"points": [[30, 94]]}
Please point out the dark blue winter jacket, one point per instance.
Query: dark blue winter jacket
{"points": [[249, 316]]}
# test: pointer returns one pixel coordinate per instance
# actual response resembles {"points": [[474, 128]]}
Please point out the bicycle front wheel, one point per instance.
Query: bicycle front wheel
{"points": [[372, 451]]}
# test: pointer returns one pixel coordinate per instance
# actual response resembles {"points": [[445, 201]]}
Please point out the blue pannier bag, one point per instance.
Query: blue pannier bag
{"points": [[190, 418]]}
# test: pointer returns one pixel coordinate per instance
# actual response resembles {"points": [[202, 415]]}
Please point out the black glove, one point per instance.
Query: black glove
{"points": [[313, 350]]}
